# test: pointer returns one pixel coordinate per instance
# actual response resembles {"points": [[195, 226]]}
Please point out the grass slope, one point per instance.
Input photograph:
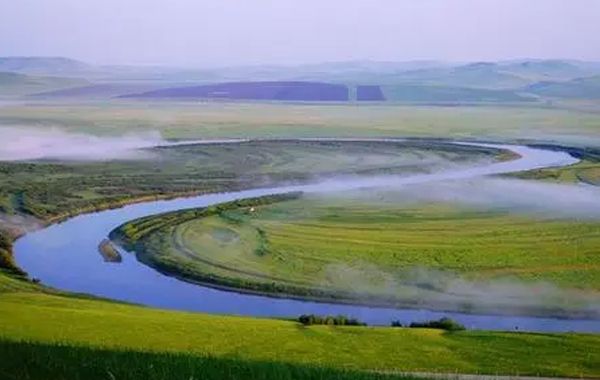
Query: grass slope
{"points": [[39, 361], [13, 84], [102, 325]]}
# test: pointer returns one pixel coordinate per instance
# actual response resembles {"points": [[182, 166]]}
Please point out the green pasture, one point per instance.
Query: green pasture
{"points": [[44, 361], [308, 241], [99, 325]]}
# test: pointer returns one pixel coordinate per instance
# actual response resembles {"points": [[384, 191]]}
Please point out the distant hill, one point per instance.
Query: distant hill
{"points": [[14, 84], [283, 91], [489, 75], [412, 81], [446, 94], [550, 69], [104, 90], [475, 75], [580, 88], [42, 65], [499, 75]]}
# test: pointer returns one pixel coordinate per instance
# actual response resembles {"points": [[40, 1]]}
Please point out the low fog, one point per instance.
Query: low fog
{"points": [[26, 143], [445, 289], [51, 143], [547, 200], [432, 288], [514, 195]]}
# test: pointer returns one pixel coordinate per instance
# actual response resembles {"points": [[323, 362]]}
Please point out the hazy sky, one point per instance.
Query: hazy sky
{"points": [[238, 32]]}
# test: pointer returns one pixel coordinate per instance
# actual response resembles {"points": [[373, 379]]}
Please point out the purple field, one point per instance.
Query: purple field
{"points": [[369, 93], [291, 91]]}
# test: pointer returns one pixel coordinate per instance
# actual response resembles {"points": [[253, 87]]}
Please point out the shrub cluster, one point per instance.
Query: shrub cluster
{"points": [[444, 323], [339, 320], [7, 262]]}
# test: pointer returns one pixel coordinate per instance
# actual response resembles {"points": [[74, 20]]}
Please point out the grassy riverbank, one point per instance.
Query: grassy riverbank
{"points": [[378, 249], [587, 171]]}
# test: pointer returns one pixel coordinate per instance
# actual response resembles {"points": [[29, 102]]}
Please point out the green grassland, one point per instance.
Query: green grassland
{"points": [[305, 236], [361, 250], [29, 361], [271, 120], [58, 321]]}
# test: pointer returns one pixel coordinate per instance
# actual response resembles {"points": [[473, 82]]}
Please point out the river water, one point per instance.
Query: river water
{"points": [[65, 256]]}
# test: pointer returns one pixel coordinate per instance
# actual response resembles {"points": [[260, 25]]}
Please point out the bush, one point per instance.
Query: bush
{"points": [[396, 324], [340, 320], [443, 323], [7, 262]]}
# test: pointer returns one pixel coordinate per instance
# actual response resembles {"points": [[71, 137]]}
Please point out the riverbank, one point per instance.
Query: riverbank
{"points": [[219, 247], [9, 233]]}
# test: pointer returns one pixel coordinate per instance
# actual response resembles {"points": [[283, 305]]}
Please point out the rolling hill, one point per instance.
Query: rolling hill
{"points": [[580, 88], [15, 84], [447, 94], [413, 81], [103, 90], [551, 69], [475, 75], [42, 65]]}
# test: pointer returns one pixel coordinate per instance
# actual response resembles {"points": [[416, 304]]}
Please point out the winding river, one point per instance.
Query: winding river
{"points": [[65, 256]]}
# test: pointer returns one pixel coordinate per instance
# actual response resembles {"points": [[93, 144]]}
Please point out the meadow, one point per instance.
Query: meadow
{"points": [[36, 326], [572, 123], [29, 361]]}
